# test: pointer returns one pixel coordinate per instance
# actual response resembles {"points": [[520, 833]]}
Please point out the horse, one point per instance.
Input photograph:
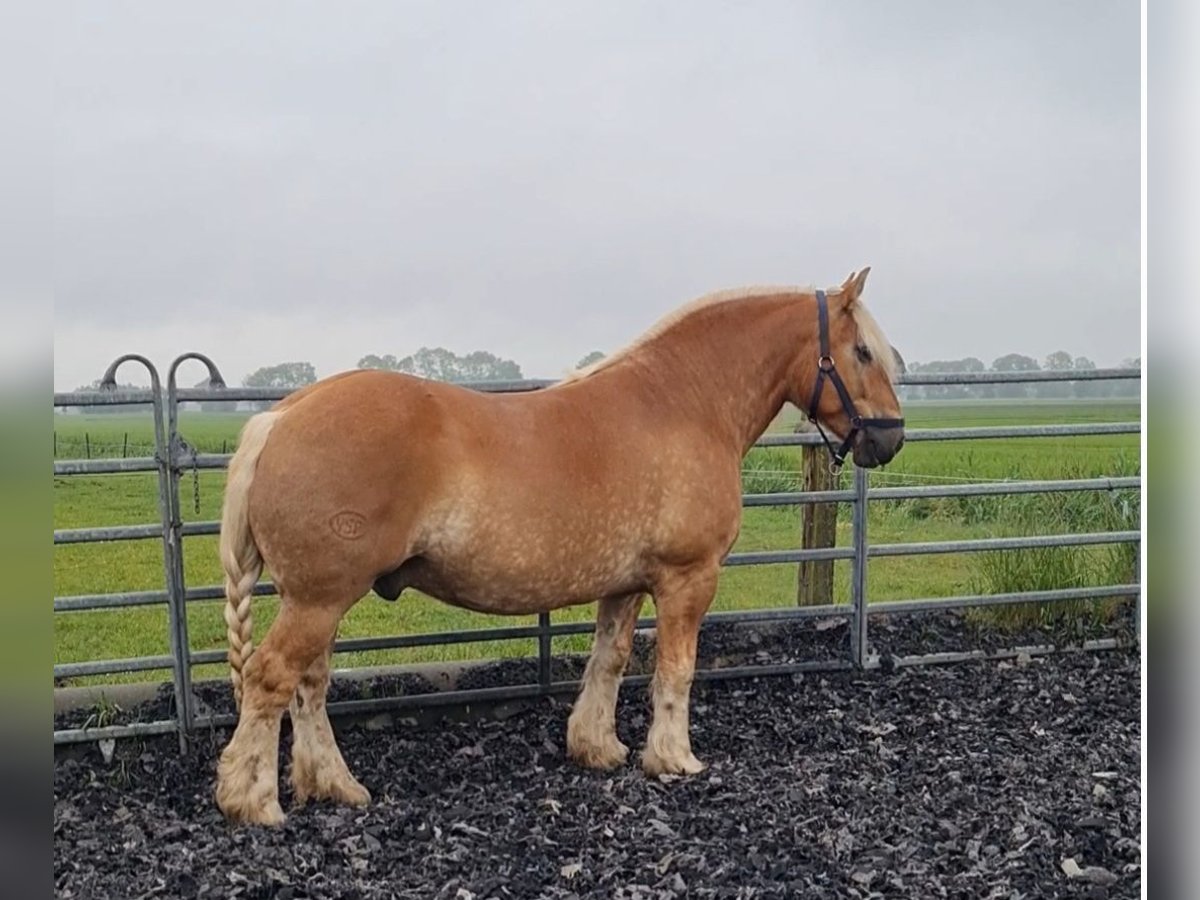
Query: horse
{"points": [[620, 480]]}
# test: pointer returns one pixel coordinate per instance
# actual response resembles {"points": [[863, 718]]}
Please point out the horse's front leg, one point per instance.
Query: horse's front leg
{"points": [[682, 599], [592, 729]]}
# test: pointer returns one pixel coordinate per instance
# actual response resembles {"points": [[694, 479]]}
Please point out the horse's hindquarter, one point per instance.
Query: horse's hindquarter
{"points": [[506, 504], [344, 478]]}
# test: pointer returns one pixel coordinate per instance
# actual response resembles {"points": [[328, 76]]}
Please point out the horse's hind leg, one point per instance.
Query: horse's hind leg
{"points": [[592, 728], [318, 770], [682, 600], [248, 772]]}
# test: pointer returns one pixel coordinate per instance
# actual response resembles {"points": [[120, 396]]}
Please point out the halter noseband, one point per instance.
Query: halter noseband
{"points": [[827, 369]]}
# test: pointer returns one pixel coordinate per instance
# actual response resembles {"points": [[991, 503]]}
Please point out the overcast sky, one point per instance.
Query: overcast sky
{"points": [[280, 182]]}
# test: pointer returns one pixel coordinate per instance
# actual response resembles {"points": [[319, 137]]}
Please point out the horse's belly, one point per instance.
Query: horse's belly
{"points": [[486, 584]]}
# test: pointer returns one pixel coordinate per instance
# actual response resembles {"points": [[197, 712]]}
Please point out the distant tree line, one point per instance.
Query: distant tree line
{"points": [[1058, 361], [594, 357], [440, 364]]}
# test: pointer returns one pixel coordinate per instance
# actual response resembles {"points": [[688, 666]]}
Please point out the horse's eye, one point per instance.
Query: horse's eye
{"points": [[864, 355]]}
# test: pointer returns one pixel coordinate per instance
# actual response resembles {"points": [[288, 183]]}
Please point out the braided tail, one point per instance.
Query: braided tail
{"points": [[239, 554]]}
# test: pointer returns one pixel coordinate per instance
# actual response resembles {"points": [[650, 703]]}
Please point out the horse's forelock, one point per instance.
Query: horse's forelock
{"points": [[875, 340]]}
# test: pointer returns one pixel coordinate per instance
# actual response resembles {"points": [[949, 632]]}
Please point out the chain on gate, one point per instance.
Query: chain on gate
{"points": [[185, 451]]}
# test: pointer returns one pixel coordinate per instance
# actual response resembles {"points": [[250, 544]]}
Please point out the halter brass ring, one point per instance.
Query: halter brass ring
{"points": [[821, 363]]}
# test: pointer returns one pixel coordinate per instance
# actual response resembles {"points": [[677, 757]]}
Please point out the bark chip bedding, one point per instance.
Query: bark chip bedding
{"points": [[986, 779]]}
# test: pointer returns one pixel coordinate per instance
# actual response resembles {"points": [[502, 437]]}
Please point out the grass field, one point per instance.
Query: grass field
{"points": [[82, 501]]}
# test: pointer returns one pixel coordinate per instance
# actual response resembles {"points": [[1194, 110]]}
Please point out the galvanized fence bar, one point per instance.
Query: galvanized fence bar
{"points": [[901, 607], [114, 666], [772, 557], [981, 433], [115, 732], [991, 432], [543, 630], [110, 533], [85, 602], [858, 571], [186, 395], [105, 466], [1005, 488], [129, 533], [109, 396], [1010, 543], [1036, 375], [956, 656], [796, 498], [217, 592]]}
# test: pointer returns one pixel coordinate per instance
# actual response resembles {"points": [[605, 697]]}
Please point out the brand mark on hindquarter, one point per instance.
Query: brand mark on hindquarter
{"points": [[348, 525]]}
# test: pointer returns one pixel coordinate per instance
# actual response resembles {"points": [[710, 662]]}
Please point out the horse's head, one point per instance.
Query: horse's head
{"points": [[844, 377]]}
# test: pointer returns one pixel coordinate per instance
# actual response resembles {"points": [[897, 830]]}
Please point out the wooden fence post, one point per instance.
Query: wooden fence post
{"points": [[818, 526]]}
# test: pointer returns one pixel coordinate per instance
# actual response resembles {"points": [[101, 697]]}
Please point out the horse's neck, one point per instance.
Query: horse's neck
{"points": [[728, 367]]}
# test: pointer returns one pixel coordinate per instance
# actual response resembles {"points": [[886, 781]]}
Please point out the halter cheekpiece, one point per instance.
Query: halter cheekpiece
{"points": [[826, 369]]}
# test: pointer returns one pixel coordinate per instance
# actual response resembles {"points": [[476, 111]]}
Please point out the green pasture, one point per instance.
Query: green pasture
{"points": [[82, 501]]}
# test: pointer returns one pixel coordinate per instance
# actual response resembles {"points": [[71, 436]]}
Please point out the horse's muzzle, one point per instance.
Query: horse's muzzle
{"points": [[877, 446]]}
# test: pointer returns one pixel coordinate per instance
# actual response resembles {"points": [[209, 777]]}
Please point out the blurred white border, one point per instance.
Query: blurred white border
{"points": [[1171, 86]]}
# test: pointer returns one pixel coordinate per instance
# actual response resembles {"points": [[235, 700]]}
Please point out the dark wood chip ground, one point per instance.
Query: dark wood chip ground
{"points": [[995, 779]]}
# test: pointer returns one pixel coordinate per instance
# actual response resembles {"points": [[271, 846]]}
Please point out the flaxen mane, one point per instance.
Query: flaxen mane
{"points": [[869, 331]]}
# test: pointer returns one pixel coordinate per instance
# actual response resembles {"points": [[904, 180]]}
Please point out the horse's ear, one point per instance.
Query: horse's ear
{"points": [[852, 287]]}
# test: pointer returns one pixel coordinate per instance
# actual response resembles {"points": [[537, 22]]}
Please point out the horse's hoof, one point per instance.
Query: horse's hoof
{"points": [[244, 796], [350, 793], [267, 814], [314, 784], [610, 754], [684, 764], [271, 816]]}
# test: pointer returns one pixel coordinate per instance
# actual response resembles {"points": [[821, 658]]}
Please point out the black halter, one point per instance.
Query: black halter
{"points": [[826, 369]]}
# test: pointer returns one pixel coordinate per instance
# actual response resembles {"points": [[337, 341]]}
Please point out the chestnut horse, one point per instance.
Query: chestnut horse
{"points": [[623, 479]]}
